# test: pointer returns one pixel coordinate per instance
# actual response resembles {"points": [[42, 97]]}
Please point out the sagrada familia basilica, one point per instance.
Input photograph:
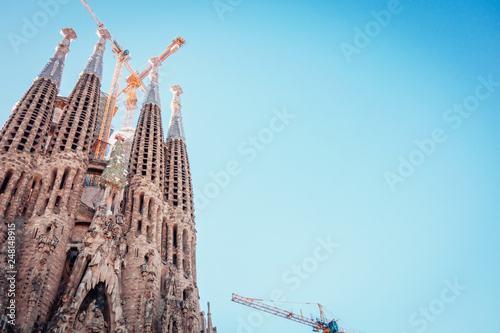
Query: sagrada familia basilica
{"points": [[116, 255]]}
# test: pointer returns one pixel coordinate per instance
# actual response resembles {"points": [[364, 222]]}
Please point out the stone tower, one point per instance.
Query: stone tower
{"points": [[22, 144], [23, 137], [118, 257], [60, 173], [143, 213], [178, 229]]}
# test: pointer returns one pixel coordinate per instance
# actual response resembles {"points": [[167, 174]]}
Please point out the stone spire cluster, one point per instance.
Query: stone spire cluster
{"points": [[51, 214], [25, 132], [118, 257]]}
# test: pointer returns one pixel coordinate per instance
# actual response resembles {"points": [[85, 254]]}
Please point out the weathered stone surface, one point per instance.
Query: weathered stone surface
{"points": [[119, 257]]}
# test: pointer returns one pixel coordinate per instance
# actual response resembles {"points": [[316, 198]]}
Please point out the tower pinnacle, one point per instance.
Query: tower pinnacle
{"points": [[209, 319], [175, 129], [54, 67], [94, 64], [153, 91]]}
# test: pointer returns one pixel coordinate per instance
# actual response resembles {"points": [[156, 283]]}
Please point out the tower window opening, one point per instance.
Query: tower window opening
{"points": [[53, 179], [139, 228], [165, 238], [175, 236], [184, 241], [63, 180], [141, 203], [150, 208], [6, 180]]}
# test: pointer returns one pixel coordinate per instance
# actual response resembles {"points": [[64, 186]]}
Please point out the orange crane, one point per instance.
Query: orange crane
{"points": [[321, 324], [134, 82]]}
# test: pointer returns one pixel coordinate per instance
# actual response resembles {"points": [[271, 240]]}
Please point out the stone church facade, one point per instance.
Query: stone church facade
{"points": [[117, 257]]}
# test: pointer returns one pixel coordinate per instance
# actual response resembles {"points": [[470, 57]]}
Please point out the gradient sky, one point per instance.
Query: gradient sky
{"points": [[323, 173]]}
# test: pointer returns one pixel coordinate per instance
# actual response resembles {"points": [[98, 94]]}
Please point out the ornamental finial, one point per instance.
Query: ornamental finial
{"points": [[153, 90], [175, 129], [53, 69]]}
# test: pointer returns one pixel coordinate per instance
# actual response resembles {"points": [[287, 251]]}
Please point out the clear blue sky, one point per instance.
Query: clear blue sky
{"points": [[324, 172]]}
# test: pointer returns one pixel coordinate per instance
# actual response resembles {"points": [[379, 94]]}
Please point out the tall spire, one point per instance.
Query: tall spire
{"points": [[146, 156], [175, 129], [54, 67], [94, 64], [145, 213], [77, 122], [153, 91], [209, 319]]}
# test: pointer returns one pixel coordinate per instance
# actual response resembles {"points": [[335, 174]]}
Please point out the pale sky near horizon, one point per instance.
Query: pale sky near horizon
{"points": [[342, 152]]}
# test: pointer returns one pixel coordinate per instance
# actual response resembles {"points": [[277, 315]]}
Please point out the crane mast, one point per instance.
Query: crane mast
{"points": [[102, 141], [114, 44], [123, 55], [134, 82], [319, 325]]}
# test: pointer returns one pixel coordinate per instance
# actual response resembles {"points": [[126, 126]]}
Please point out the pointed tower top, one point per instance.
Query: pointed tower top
{"points": [[54, 67], [94, 64], [153, 90], [209, 320], [175, 129]]}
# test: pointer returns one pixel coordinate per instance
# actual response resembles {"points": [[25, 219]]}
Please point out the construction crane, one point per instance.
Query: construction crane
{"points": [[110, 110], [134, 82], [321, 324]]}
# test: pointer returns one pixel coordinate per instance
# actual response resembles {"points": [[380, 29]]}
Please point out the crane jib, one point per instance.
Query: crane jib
{"points": [[123, 56]]}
